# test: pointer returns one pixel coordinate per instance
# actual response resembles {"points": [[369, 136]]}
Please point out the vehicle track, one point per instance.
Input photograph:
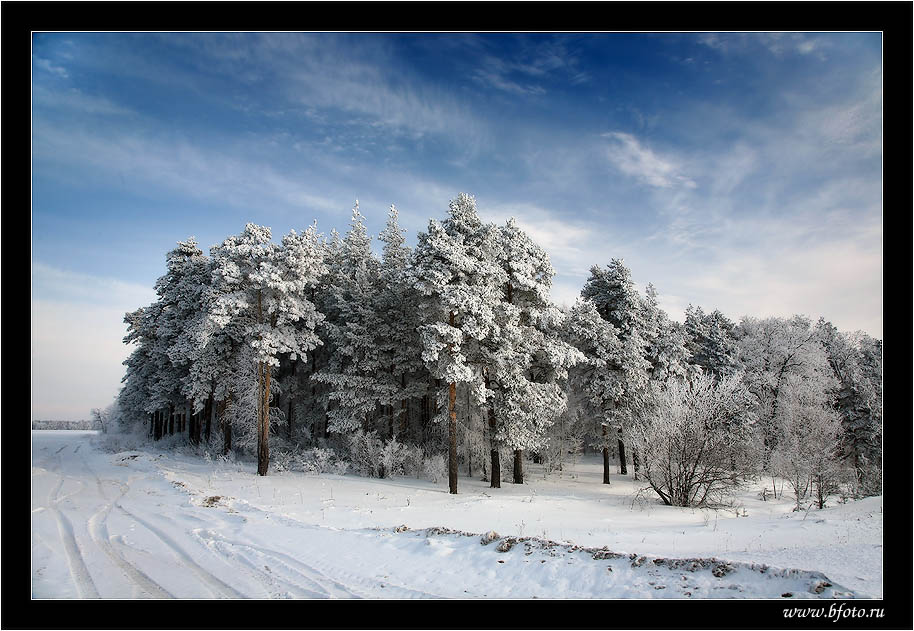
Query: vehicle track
{"points": [[328, 587], [79, 573], [98, 531], [212, 583]]}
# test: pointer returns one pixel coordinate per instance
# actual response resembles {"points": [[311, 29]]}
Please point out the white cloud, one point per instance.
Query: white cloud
{"points": [[628, 155], [75, 99], [49, 66]]}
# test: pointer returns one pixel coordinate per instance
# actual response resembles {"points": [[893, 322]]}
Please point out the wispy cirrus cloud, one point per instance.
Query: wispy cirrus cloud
{"points": [[524, 72], [630, 156], [215, 174], [50, 67], [76, 101], [779, 44]]}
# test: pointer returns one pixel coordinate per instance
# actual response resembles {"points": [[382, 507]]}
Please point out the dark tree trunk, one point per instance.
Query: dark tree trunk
{"points": [[157, 425], [263, 428], [518, 466], [452, 433], [622, 468], [226, 426], [171, 421], [495, 467], [635, 462], [192, 422], [404, 407], [605, 459], [209, 412], [289, 417], [291, 397], [469, 441]]}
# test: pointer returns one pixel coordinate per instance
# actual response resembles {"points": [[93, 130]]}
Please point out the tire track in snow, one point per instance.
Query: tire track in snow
{"points": [[270, 580], [85, 586], [213, 583], [329, 588], [98, 531]]}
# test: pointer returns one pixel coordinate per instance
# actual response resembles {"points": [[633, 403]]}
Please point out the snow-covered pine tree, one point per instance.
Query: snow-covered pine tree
{"points": [[612, 291], [666, 344], [856, 361], [528, 358], [263, 288], [135, 399], [354, 363], [397, 339], [182, 291], [460, 284], [711, 341], [598, 381]]}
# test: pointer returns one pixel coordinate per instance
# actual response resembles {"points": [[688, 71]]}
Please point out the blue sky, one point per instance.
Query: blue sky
{"points": [[739, 171]]}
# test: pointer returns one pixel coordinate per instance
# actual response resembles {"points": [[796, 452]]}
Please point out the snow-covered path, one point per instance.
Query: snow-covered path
{"points": [[146, 525]]}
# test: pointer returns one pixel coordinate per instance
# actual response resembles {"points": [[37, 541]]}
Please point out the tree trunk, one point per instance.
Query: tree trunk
{"points": [[291, 397], [192, 431], [157, 425], [171, 421], [495, 468], [635, 462], [452, 430], [469, 438], [518, 466], [605, 459], [404, 407], [210, 412], [263, 428], [225, 424], [622, 468]]}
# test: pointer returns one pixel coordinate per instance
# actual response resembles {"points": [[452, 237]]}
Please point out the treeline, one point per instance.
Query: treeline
{"points": [[80, 425], [454, 348]]}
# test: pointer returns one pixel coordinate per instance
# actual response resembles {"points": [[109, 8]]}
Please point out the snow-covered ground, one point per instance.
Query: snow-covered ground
{"points": [[153, 524]]}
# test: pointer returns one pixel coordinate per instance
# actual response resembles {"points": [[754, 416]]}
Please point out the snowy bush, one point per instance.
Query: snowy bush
{"points": [[282, 460], [318, 460], [364, 452], [393, 458], [434, 468], [371, 456], [689, 436]]}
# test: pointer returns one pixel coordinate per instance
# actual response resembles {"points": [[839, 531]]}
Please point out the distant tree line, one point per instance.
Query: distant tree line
{"points": [[80, 425], [454, 349]]}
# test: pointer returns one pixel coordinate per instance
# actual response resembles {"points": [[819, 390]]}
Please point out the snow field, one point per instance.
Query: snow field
{"points": [[148, 524]]}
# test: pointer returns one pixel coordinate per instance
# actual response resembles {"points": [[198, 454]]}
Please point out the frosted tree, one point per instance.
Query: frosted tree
{"points": [[528, 359], [856, 362], [402, 375], [613, 294], [262, 288], [689, 432], [809, 452], [771, 351], [135, 398], [666, 348], [459, 285], [609, 368], [711, 341], [160, 368], [350, 328], [183, 292]]}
